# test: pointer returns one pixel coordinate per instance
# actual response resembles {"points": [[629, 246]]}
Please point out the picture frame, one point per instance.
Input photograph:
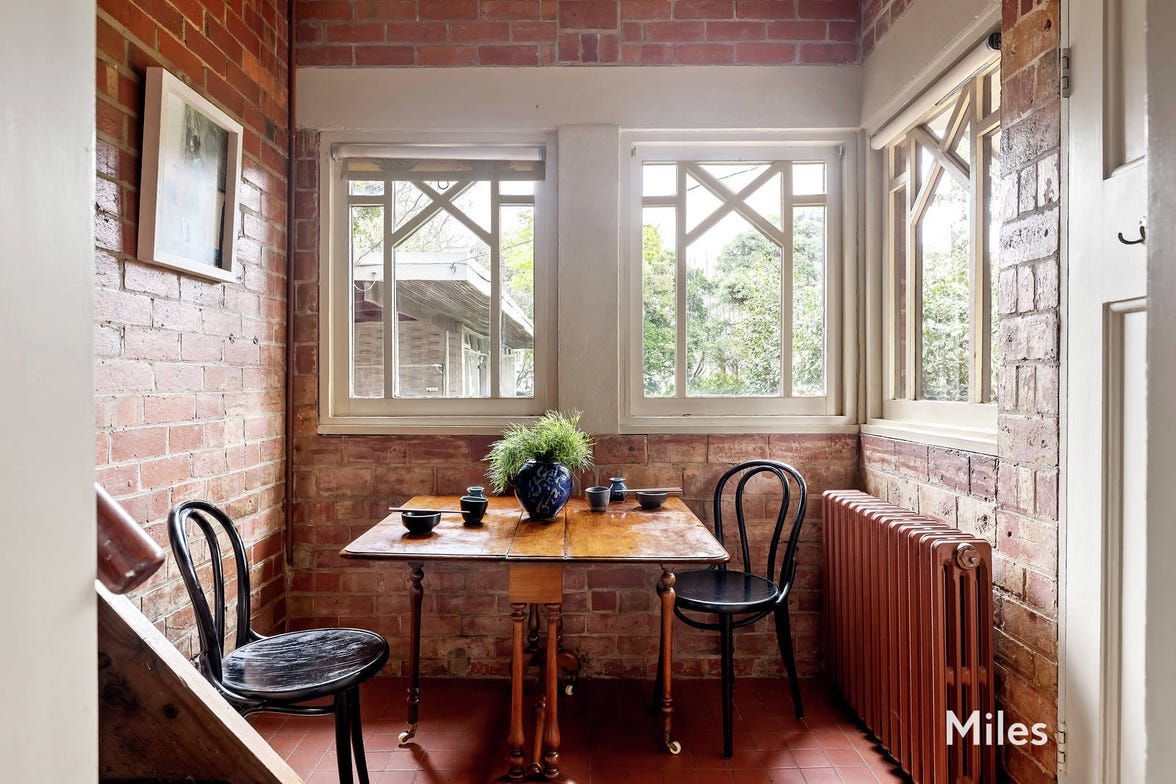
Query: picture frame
{"points": [[189, 192]]}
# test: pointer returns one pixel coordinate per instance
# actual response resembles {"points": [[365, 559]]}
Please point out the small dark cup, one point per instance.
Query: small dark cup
{"points": [[420, 522], [597, 498], [473, 509], [651, 500]]}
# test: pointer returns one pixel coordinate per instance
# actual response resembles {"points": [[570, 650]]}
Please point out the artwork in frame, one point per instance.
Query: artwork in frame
{"points": [[191, 170]]}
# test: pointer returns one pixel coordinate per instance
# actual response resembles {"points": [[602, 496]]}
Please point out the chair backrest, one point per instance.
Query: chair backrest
{"points": [[210, 620], [796, 499]]}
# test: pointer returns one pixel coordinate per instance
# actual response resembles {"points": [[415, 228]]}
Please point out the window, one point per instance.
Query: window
{"points": [[941, 235], [439, 273], [736, 260]]}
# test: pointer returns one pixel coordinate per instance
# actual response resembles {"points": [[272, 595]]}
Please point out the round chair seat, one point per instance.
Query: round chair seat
{"points": [[304, 665], [711, 590]]}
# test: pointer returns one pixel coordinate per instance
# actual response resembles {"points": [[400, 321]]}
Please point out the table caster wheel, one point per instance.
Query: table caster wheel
{"points": [[674, 747], [569, 688], [404, 737]]}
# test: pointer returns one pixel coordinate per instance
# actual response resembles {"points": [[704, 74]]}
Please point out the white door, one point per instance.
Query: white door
{"points": [[1102, 667]]}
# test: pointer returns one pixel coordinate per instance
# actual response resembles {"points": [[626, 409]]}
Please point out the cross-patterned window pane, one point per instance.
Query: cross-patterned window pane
{"points": [[734, 279], [443, 279], [940, 225]]}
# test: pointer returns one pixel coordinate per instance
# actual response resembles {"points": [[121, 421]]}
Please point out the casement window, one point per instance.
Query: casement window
{"points": [[437, 285], [941, 237], [734, 282]]}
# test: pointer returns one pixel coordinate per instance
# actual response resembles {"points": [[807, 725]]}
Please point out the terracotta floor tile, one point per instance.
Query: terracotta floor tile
{"points": [[810, 758], [608, 736]]}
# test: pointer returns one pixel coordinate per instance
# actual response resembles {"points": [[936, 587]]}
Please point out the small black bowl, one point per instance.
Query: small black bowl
{"points": [[420, 522], [651, 501]]}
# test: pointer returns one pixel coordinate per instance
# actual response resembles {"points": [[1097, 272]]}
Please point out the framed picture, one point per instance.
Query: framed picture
{"points": [[191, 168]]}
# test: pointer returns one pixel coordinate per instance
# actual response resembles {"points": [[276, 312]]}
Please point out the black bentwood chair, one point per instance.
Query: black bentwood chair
{"points": [[279, 673], [730, 593]]}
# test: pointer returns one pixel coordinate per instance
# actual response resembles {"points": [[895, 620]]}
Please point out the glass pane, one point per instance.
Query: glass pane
{"points": [[734, 176], [443, 311], [963, 148], [517, 187], [808, 178], [659, 293], [768, 201], [993, 80], [938, 124], [944, 235], [700, 203], [517, 259], [368, 292], [366, 188], [926, 163], [474, 202], [992, 254], [659, 179], [407, 201], [808, 302], [733, 312], [898, 239]]}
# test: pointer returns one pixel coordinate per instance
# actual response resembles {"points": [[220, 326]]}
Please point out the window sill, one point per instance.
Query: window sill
{"points": [[737, 424], [420, 425], [963, 438]]}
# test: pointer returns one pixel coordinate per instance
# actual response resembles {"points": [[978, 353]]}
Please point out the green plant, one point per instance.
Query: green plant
{"points": [[555, 437]]}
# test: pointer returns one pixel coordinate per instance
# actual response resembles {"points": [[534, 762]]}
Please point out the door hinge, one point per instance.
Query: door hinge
{"points": [[1060, 738], [1064, 75]]}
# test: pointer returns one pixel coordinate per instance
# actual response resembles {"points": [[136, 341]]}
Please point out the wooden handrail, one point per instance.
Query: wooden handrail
{"points": [[127, 556]]}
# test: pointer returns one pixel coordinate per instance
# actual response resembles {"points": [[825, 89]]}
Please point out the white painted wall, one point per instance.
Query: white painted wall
{"points": [[490, 99], [1160, 635], [48, 692]]}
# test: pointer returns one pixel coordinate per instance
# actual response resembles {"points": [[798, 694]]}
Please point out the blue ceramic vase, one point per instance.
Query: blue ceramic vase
{"points": [[543, 487]]}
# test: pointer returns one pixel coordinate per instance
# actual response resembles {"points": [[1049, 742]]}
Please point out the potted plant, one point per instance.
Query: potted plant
{"points": [[539, 461]]}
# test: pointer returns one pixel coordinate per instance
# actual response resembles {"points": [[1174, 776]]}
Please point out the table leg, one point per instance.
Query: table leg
{"points": [[665, 657], [516, 738], [551, 677], [416, 595]]}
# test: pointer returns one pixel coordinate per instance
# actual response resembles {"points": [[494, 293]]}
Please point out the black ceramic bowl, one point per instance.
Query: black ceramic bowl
{"points": [[420, 522], [651, 500]]}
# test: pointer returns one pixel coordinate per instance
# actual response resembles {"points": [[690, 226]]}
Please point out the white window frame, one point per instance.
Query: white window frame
{"points": [[832, 412], [339, 412], [968, 425]]}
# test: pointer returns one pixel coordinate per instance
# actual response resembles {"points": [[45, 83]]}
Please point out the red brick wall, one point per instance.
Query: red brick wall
{"points": [[189, 373], [575, 32], [877, 16], [1021, 487]]}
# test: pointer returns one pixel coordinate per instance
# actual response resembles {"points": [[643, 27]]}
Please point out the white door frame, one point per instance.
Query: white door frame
{"points": [[1160, 635]]}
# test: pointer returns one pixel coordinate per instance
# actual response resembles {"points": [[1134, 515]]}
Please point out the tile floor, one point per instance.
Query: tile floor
{"points": [[608, 736]]}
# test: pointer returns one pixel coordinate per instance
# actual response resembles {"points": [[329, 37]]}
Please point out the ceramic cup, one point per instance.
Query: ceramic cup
{"points": [[597, 498], [477, 491], [473, 509]]}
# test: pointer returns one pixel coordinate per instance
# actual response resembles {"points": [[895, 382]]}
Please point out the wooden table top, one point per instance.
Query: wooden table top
{"points": [[625, 533]]}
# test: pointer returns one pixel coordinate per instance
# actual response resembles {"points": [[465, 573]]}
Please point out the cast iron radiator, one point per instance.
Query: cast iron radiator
{"points": [[908, 626]]}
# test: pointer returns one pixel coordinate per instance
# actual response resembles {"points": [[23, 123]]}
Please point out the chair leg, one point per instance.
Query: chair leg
{"points": [[343, 736], [784, 639], [357, 736], [727, 644]]}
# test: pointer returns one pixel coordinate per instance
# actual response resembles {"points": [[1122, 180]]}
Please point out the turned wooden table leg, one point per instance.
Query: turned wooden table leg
{"points": [[665, 657], [516, 738], [416, 595], [532, 628], [551, 678]]}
